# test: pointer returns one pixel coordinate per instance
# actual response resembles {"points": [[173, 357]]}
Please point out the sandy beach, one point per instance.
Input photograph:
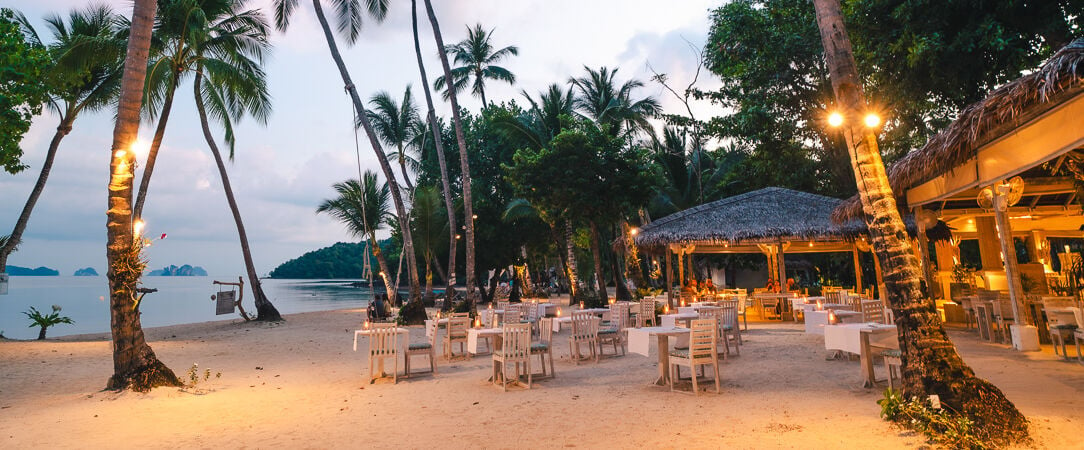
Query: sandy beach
{"points": [[298, 385]]}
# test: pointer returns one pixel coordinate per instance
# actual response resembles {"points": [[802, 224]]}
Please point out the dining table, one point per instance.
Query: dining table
{"points": [[474, 335], [640, 343], [817, 320], [861, 339], [565, 320], [403, 341]]}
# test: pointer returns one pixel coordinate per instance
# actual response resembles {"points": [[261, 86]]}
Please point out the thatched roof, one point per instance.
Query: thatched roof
{"points": [[1005, 109], [766, 215]]}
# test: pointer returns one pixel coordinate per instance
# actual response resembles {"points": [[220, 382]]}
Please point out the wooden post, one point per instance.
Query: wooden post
{"points": [[923, 248], [669, 279], [782, 270], [1004, 232], [857, 269], [989, 251], [681, 267]]}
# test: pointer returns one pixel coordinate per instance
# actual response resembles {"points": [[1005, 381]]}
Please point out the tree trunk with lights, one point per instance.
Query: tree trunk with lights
{"points": [[446, 185], [135, 365], [464, 160], [931, 364], [596, 256], [413, 312], [265, 310], [570, 264]]}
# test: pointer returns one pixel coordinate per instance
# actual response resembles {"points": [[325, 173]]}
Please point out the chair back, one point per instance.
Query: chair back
{"points": [[511, 317], [383, 339], [647, 311], [1003, 307], [873, 311], [619, 315], [545, 330], [461, 315], [729, 316], [583, 326], [703, 339], [502, 305], [490, 319], [713, 314], [457, 327], [431, 332], [729, 304], [530, 311], [515, 341], [855, 302]]}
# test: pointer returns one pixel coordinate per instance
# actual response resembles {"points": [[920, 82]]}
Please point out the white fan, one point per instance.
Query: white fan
{"points": [[1016, 190]]}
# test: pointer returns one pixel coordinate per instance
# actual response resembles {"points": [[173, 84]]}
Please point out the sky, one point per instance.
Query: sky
{"points": [[283, 170]]}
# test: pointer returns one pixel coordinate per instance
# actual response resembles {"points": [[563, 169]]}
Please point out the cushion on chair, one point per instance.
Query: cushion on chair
{"points": [[539, 346], [607, 331], [1064, 326], [892, 353], [419, 346], [728, 327], [680, 353]]}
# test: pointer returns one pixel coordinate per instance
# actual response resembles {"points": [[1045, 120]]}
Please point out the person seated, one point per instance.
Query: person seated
{"points": [[709, 286], [770, 286], [791, 285], [378, 309]]}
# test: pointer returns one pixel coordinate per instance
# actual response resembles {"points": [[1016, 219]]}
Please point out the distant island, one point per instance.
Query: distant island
{"points": [[174, 271], [26, 272], [341, 260], [86, 272]]}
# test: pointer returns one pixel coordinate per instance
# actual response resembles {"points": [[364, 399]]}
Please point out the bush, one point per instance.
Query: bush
{"points": [[940, 426]]}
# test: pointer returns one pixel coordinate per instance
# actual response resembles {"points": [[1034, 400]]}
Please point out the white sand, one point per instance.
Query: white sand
{"points": [[298, 384]]}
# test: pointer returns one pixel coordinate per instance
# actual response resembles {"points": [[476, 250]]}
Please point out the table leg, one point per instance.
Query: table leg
{"points": [[664, 361], [866, 361]]}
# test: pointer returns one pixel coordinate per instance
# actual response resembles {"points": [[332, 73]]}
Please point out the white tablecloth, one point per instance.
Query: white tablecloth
{"points": [[404, 337], [847, 337], [640, 338], [473, 335]]}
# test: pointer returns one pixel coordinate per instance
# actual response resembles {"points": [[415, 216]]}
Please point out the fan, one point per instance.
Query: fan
{"points": [[926, 217], [1016, 190]]}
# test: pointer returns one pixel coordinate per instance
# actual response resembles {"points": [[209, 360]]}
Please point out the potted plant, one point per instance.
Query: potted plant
{"points": [[962, 279]]}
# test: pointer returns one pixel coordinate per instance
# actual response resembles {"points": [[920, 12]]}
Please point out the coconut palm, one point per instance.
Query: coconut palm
{"points": [[363, 207], [349, 15], [931, 365], [539, 124], [86, 53], [690, 176], [395, 123], [445, 182], [478, 62], [602, 100], [464, 160], [229, 84], [429, 222], [135, 365]]}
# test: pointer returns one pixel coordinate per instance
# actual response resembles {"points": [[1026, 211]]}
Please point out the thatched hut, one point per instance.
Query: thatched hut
{"points": [[773, 221], [1033, 128]]}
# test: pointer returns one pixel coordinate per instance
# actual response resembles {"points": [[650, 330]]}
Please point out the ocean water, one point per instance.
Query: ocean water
{"points": [[178, 300]]}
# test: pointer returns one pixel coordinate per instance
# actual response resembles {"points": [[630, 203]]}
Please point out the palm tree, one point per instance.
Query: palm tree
{"points": [[395, 124], [86, 55], [445, 183], [349, 15], [600, 99], [362, 207], [464, 161], [690, 176], [931, 364], [228, 58], [135, 365], [476, 59], [542, 121], [428, 221]]}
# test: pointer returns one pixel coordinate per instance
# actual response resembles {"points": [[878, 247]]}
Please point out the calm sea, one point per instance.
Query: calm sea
{"points": [[178, 300]]}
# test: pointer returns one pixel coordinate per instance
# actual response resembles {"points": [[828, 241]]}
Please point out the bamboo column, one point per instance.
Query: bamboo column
{"points": [[1008, 250], [857, 269]]}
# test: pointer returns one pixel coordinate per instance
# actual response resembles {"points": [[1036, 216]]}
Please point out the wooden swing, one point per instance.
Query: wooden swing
{"points": [[226, 301]]}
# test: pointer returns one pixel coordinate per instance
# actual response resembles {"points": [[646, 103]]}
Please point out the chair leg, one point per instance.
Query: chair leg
{"points": [[553, 373], [406, 364], [717, 389], [674, 371], [433, 361], [696, 390]]}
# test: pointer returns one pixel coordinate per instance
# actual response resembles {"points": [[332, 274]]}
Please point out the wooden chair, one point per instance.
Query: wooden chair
{"points": [[769, 308], [873, 311], [1003, 316], [702, 351], [743, 305], [544, 346], [512, 317], [716, 315], [584, 331], [457, 333], [730, 331], [614, 332], [383, 344], [646, 315], [424, 348], [516, 350], [530, 315], [893, 362], [502, 305]]}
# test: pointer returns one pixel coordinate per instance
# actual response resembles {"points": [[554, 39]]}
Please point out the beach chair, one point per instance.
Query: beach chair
{"points": [[584, 331], [614, 332], [457, 333], [515, 350], [701, 352], [544, 346], [383, 344], [424, 349]]}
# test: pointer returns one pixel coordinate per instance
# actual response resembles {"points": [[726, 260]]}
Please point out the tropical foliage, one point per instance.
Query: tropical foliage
{"points": [[22, 90], [477, 61]]}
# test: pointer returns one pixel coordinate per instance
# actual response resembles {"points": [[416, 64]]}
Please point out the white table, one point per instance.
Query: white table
{"points": [[671, 321], [640, 343], [473, 335], [858, 338], [563, 321], [815, 321], [442, 322], [403, 341]]}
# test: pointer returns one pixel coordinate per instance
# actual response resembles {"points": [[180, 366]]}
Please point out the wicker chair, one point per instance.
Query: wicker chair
{"points": [[515, 350], [701, 352], [424, 348]]}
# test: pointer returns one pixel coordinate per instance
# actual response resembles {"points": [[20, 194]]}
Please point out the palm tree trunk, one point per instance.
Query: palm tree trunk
{"points": [[16, 236], [931, 364], [570, 266], [385, 273], [152, 155], [401, 212], [481, 89], [428, 276], [402, 167], [135, 365], [596, 255], [464, 161], [437, 141], [265, 311]]}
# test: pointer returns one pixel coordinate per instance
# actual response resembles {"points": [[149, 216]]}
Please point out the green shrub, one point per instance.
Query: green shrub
{"points": [[37, 319], [940, 426]]}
